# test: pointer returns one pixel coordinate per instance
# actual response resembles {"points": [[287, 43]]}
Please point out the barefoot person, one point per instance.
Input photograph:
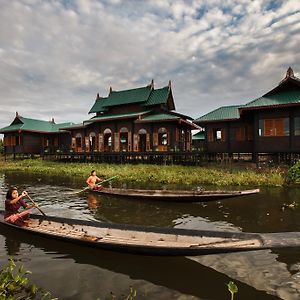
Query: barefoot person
{"points": [[92, 181], [13, 203]]}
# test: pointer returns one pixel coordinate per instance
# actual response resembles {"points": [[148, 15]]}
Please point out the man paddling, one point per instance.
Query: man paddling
{"points": [[92, 181]]}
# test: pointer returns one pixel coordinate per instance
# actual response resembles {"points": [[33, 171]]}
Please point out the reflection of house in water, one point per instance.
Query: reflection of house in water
{"points": [[137, 120]]}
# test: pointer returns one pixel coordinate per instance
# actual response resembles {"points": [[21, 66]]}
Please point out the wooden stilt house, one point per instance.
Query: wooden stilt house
{"points": [[269, 124], [136, 120], [31, 136]]}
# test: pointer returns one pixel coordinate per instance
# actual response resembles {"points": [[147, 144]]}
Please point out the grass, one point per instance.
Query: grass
{"points": [[218, 175]]}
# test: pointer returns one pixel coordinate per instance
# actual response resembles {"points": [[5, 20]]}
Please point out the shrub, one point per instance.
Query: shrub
{"points": [[293, 174]]}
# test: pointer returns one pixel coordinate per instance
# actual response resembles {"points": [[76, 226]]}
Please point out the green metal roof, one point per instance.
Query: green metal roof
{"points": [[146, 96], [200, 136], [159, 96], [283, 98], [26, 124], [159, 117], [116, 116], [99, 106], [221, 114]]}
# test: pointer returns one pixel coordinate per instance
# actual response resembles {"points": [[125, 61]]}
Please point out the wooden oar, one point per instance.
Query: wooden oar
{"points": [[99, 183], [36, 206]]}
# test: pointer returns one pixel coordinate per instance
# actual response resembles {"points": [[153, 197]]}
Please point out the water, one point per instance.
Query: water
{"points": [[75, 272]]}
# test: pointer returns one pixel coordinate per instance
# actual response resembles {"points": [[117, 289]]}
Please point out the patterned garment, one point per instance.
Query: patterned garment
{"points": [[18, 218]]}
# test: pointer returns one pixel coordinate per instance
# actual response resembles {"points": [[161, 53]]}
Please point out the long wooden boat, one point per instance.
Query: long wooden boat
{"points": [[175, 195], [152, 240]]}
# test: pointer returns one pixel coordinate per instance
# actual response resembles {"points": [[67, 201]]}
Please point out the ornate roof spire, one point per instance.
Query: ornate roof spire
{"points": [[98, 97], [110, 90], [169, 84], [289, 73]]}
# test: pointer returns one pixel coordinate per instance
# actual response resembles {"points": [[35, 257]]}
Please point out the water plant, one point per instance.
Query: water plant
{"points": [[167, 174], [14, 284], [232, 288]]}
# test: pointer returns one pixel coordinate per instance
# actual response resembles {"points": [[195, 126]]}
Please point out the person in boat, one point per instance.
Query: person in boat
{"points": [[13, 203], [92, 181]]}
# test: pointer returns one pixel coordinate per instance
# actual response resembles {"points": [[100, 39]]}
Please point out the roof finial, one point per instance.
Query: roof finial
{"points": [[52, 121], [169, 84], [98, 97], [17, 114], [152, 83], [289, 73], [110, 90]]}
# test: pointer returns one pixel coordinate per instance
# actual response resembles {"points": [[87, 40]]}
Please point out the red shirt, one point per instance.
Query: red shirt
{"points": [[11, 209]]}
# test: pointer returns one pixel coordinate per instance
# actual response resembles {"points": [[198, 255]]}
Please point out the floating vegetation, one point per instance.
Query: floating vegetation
{"points": [[232, 288], [171, 174], [14, 284]]}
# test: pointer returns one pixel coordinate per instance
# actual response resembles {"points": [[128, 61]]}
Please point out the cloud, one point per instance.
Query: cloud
{"points": [[56, 55]]}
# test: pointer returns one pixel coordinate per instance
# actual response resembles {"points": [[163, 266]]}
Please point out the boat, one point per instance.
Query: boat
{"points": [[151, 240], [174, 195]]}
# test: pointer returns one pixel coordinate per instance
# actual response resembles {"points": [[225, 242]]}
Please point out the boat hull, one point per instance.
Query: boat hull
{"points": [[174, 196]]}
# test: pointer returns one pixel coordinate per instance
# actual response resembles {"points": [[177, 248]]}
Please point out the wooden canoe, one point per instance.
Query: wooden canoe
{"points": [[175, 195], [152, 240]]}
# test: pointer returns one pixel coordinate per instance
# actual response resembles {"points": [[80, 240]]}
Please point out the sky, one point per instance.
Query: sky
{"points": [[55, 56]]}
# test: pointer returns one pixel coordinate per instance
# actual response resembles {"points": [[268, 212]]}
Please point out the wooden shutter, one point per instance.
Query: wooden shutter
{"points": [[147, 142], [188, 140], [268, 127], [73, 143], [240, 134], [87, 144], [223, 135], [129, 148], [279, 127], [249, 133], [101, 142], [210, 135], [117, 142], [135, 142], [155, 139]]}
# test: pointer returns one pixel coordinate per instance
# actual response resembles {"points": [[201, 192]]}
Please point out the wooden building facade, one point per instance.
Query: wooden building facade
{"points": [[31, 136], [267, 125], [136, 120]]}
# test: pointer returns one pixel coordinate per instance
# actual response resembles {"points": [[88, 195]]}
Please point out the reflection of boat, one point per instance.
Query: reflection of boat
{"points": [[152, 240], [175, 195]]}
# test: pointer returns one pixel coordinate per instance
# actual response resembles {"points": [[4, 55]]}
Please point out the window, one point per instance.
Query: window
{"points": [[78, 140], [162, 136], [297, 125], [218, 134], [274, 127]]}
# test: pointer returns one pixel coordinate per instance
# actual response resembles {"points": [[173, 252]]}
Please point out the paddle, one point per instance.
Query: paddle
{"points": [[36, 206], [99, 183]]}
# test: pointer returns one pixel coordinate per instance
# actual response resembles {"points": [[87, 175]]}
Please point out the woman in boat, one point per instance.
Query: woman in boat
{"points": [[13, 203], [92, 181]]}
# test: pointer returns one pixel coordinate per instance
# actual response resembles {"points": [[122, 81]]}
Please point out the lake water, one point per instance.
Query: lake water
{"points": [[74, 272]]}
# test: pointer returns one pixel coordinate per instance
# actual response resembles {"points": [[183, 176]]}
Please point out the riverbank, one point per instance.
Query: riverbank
{"points": [[219, 175]]}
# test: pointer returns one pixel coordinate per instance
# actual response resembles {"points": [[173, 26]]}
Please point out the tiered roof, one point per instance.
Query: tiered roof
{"points": [[287, 93], [145, 96]]}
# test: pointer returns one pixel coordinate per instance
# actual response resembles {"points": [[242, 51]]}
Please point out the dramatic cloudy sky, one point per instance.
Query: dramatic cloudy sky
{"points": [[55, 56]]}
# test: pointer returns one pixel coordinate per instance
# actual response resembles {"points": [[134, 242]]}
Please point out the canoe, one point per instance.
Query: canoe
{"points": [[175, 195], [152, 240]]}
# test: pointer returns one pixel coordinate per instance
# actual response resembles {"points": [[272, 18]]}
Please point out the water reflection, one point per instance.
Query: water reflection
{"points": [[153, 277], [278, 270]]}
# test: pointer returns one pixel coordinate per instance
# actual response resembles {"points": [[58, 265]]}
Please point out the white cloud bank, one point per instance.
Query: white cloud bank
{"points": [[56, 55]]}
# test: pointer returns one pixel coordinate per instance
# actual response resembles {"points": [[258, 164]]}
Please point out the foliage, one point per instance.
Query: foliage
{"points": [[169, 174], [293, 174], [14, 284], [232, 288]]}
